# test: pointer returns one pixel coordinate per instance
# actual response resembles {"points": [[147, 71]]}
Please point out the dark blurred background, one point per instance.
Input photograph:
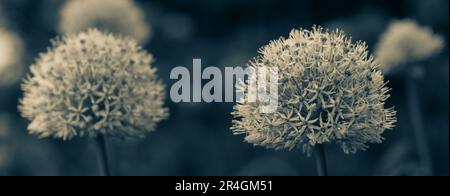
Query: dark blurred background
{"points": [[196, 139]]}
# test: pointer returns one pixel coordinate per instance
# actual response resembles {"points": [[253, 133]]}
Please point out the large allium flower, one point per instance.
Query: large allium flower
{"points": [[330, 91], [117, 16], [405, 42], [11, 47], [93, 83]]}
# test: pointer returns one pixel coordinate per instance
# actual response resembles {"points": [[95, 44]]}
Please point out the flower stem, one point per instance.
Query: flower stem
{"points": [[321, 164], [102, 156], [418, 127]]}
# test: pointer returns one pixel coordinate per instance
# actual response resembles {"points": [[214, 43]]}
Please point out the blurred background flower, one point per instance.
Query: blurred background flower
{"points": [[404, 42], [119, 17], [11, 48]]}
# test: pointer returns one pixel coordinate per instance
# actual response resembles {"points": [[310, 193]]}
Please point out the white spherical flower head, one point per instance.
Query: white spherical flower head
{"points": [[93, 83], [405, 42], [10, 55], [116, 16], [330, 91]]}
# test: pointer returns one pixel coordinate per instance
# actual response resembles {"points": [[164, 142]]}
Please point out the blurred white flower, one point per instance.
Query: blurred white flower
{"points": [[405, 42], [93, 83], [121, 17], [11, 48]]}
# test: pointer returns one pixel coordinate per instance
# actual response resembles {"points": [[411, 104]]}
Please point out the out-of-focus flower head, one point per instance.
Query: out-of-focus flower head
{"points": [[330, 91], [11, 48], [121, 17], [93, 83], [405, 42]]}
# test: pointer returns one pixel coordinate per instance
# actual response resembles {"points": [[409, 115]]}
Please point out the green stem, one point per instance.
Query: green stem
{"points": [[418, 127], [102, 156], [321, 164]]}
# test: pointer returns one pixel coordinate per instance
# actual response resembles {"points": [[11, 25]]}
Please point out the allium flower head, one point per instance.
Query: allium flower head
{"points": [[330, 91], [405, 42], [93, 83], [10, 56], [116, 16]]}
